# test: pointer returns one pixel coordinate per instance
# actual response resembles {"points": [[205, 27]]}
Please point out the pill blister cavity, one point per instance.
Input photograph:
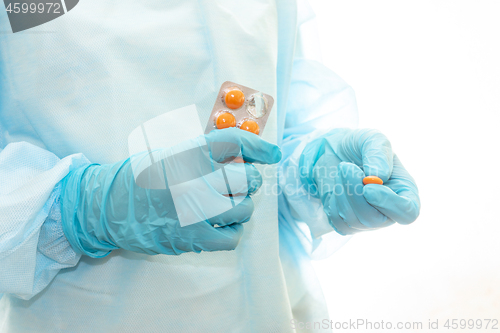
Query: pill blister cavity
{"points": [[257, 105], [250, 126], [234, 98], [225, 120]]}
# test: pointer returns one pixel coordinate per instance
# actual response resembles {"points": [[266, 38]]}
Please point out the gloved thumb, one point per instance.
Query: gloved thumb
{"points": [[376, 153], [401, 207], [232, 142]]}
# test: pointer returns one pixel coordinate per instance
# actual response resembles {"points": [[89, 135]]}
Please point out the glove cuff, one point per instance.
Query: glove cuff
{"points": [[73, 222]]}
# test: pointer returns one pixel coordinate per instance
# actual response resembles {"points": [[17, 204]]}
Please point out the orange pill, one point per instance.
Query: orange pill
{"points": [[225, 120], [372, 180], [250, 126], [234, 99]]}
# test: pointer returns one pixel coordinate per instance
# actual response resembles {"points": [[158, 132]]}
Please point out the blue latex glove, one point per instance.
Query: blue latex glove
{"points": [[103, 207], [333, 167]]}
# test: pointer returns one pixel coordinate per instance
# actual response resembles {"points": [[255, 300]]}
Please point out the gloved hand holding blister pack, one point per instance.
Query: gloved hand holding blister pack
{"points": [[333, 168], [106, 207], [191, 197]]}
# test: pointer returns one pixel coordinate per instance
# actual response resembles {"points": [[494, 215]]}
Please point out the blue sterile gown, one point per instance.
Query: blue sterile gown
{"points": [[73, 89]]}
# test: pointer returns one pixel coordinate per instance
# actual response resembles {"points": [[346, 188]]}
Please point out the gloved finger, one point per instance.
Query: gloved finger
{"points": [[398, 207], [343, 229], [242, 178], [233, 142], [341, 226], [332, 190], [400, 199], [336, 220], [352, 179], [324, 172], [376, 152], [401, 181], [344, 207], [309, 158], [241, 213], [254, 178], [224, 238]]}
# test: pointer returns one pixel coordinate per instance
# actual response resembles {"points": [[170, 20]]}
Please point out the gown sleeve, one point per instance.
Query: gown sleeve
{"points": [[33, 247]]}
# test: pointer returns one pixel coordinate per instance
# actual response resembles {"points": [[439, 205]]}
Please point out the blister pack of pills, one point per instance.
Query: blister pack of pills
{"points": [[241, 107]]}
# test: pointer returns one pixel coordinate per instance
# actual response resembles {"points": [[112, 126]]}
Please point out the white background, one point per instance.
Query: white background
{"points": [[427, 74]]}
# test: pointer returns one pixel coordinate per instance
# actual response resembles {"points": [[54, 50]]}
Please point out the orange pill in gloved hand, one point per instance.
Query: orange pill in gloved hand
{"points": [[225, 120], [250, 126], [372, 180], [234, 99]]}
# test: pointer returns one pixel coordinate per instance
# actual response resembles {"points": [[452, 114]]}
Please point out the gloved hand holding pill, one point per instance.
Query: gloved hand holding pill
{"points": [[347, 168]]}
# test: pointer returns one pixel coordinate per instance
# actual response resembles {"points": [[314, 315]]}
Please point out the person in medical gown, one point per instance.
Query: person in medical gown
{"points": [[72, 90]]}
